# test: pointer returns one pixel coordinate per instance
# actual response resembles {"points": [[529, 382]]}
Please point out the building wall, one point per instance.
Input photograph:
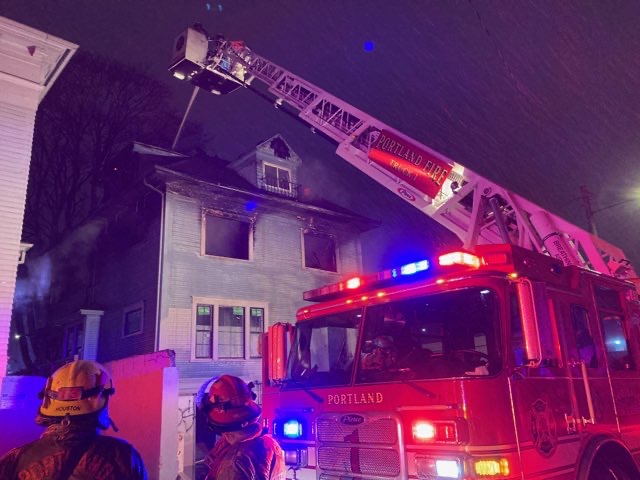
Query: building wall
{"points": [[17, 119], [275, 276], [24, 80], [127, 277]]}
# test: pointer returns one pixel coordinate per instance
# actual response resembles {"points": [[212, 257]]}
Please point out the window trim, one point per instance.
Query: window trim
{"points": [[132, 308], [215, 303], [74, 327], [277, 187], [238, 218], [303, 232]]}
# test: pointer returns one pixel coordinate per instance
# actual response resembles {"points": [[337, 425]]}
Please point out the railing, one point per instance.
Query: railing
{"points": [[281, 187]]}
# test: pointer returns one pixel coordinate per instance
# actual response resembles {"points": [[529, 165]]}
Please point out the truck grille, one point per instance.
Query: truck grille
{"points": [[369, 448]]}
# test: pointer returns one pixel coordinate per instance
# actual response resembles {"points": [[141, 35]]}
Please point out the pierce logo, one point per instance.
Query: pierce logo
{"points": [[352, 419]]}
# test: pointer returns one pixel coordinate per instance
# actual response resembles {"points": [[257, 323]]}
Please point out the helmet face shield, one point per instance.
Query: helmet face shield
{"points": [[229, 404]]}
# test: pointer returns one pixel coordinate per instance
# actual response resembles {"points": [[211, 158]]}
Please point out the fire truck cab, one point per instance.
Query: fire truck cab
{"points": [[500, 364]]}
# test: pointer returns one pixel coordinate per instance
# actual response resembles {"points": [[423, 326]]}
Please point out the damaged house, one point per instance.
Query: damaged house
{"points": [[198, 256]]}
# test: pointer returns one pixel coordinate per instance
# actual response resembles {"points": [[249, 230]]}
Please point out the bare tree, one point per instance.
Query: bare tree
{"points": [[97, 107], [93, 112]]}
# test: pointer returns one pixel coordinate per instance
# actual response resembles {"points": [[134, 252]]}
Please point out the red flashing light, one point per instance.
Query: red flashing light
{"points": [[436, 432], [495, 259]]}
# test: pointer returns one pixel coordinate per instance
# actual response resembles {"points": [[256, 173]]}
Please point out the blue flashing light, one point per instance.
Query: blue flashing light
{"points": [[368, 46], [251, 205], [292, 429], [411, 268]]}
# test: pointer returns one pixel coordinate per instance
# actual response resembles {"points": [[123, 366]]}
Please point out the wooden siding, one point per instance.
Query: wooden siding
{"points": [[17, 119], [125, 278], [275, 276]]}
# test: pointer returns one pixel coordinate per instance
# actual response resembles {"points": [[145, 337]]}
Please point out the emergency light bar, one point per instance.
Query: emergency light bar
{"points": [[376, 279], [505, 258]]}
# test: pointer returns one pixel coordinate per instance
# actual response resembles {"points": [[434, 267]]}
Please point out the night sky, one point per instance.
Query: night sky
{"points": [[539, 96]]}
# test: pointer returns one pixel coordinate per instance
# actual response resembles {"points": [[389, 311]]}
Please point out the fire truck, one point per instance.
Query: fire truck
{"points": [[514, 357]]}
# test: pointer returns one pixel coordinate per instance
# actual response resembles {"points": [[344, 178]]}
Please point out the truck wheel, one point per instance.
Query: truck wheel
{"points": [[606, 470]]}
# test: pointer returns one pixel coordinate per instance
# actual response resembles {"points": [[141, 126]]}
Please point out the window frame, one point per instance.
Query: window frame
{"points": [[207, 212], [127, 310], [72, 332], [277, 187], [307, 231], [215, 303]]}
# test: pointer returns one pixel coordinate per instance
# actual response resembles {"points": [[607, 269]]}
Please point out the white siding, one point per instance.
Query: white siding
{"points": [[17, 118], [275, 277]]}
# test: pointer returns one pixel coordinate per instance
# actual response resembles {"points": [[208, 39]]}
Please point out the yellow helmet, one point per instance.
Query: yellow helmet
{"points": [[78, 388]]}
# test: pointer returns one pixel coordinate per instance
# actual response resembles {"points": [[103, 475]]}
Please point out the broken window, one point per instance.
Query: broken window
{"points": [[226, 237], [319, 251]]}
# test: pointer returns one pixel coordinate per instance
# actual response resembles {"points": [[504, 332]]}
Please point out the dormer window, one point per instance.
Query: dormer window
{"points": [[277, 179]]}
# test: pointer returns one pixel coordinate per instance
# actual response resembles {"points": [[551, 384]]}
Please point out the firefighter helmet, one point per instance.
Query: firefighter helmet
{"points": [[229, 405], [77, 389]]}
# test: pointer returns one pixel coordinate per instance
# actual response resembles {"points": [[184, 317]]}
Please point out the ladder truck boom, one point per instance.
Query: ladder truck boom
{"points": [[476, 209]]}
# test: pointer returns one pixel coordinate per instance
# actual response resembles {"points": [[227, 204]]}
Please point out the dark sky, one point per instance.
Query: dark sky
{"points": [[539, 96]]}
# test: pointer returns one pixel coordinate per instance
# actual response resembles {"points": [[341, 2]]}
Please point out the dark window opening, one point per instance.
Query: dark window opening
{"points": [[133, 321], [226, 237], [319, 252]]}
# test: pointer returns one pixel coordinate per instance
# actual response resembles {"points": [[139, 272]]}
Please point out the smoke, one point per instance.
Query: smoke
{"points": [[52, 271]]}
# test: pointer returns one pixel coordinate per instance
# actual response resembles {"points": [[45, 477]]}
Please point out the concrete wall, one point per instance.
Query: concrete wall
{"points": [[144, 409]]}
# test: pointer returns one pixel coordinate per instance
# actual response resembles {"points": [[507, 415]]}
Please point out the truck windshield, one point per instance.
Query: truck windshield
{"points": [[449, 334], [442, 335], [324, 349]]}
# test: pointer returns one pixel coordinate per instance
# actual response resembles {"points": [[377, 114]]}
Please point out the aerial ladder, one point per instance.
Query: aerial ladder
{"points": [[474, 208]]}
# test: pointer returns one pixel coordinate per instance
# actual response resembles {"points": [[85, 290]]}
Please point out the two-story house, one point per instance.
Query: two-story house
{"points": [[198, 256]]}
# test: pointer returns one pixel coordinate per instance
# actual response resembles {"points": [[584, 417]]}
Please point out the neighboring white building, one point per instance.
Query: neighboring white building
{"points": [[30, 62]]}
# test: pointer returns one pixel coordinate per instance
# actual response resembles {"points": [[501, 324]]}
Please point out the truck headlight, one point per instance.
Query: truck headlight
{"points": [[431, 467]]}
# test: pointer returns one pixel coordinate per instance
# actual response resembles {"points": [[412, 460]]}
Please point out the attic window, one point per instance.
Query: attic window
{"points": [[277, 178], [319, 251], [226, 237]]}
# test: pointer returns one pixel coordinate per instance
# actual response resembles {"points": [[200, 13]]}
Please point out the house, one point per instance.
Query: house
{"points": [[198, 256]]}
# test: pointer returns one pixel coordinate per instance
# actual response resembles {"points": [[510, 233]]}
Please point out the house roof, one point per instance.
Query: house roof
{"points": [[188, 183]]}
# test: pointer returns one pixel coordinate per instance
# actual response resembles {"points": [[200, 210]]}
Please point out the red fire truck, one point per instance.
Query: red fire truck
{"points": [[515, 357]]}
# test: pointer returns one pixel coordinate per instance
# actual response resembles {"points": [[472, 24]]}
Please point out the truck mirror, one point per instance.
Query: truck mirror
{"points": [[530, 331]]}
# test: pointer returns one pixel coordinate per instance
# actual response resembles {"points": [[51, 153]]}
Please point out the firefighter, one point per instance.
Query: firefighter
{"points": [[74, 409], [383, 356], [244, 451]]}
